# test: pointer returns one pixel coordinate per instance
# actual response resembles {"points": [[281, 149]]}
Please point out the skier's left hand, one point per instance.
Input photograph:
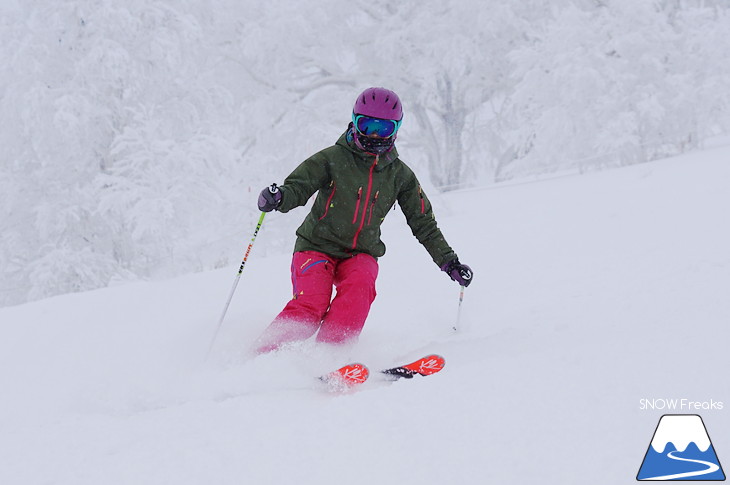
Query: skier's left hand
{"points": [[269, 198], [458, 272]]}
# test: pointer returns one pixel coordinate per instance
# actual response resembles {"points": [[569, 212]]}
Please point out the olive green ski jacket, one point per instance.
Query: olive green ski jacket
{"points": [[356, 192]]}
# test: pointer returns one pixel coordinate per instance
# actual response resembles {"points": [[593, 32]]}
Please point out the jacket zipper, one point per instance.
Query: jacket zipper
{"points": [[357, 205], [329, 199], [372, 206], [367, 197], [423, 202]]}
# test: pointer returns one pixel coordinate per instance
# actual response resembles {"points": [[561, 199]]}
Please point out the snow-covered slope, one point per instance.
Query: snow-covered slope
{"points": [[591, 293]]}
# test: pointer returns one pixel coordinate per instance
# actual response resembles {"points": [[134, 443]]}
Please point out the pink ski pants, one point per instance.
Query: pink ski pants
{"points": [[339, 320]]}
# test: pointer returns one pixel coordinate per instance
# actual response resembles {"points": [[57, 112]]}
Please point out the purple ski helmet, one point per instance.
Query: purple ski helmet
{"points": [[382, 104], [379, 103]]}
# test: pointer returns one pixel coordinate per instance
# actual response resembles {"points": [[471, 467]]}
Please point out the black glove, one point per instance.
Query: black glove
{"points": [[269, 198], [458, 272]]}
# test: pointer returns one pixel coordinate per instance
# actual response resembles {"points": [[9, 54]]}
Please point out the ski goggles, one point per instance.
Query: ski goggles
{"points": [[369, 126]]}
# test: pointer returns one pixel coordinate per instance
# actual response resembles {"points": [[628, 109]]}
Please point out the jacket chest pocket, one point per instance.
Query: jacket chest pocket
{"points": [[358, 203], [369, 211], [371, 207], [330, 200]]}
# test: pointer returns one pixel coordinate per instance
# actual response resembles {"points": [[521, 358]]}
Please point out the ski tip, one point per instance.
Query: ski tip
{"points": [[346, 376], [427, 365]]}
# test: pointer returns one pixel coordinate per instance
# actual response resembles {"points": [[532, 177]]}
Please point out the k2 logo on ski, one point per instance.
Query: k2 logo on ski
{"points": [[681, 450]]}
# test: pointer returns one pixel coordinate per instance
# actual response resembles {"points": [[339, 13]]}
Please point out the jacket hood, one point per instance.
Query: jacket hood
{"points": [[346, 140]]}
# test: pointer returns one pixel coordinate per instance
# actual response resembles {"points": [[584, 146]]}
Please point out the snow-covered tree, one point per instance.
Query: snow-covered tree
{"points": [[135, 136], [615, 83]]}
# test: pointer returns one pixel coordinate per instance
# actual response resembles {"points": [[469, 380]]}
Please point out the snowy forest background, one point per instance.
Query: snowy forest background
{"points": [[135, 136]]}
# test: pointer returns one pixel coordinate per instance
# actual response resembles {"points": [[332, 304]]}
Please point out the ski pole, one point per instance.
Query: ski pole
{"points": [[235, 283], [458, 312]]}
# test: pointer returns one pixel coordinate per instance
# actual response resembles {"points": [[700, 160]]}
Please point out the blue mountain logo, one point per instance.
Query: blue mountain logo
{"points": [[681, 450]]}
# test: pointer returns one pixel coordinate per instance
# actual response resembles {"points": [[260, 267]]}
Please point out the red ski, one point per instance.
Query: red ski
{"points": [[346, 377], [425, 366]]}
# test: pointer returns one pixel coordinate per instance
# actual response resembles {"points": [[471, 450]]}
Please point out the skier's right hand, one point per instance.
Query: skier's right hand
{"points": [[458, 272], [269, 198]]}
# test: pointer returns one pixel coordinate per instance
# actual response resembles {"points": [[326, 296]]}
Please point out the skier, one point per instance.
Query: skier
{"points": [[359, 179]]}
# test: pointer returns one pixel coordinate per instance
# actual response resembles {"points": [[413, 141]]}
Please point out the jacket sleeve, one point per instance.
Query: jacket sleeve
{"points": [[311, 175], [420, 217]]}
